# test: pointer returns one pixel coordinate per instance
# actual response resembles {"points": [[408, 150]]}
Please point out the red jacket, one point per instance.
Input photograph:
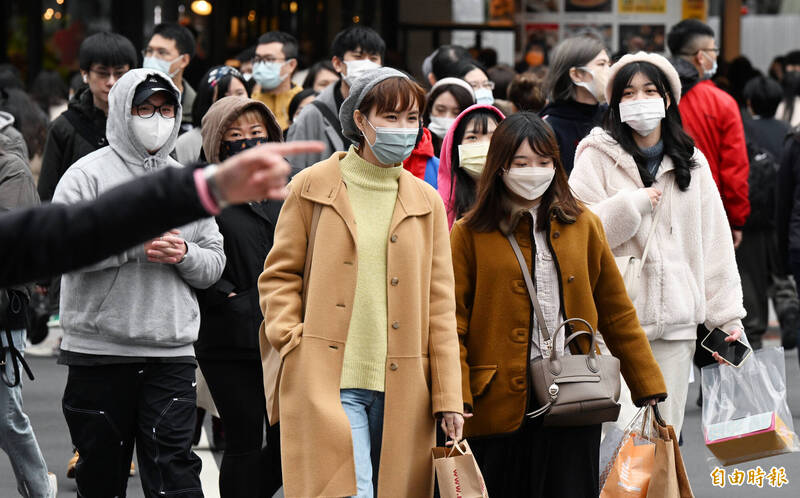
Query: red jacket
{"points": [[712, 118], [417, 162]]}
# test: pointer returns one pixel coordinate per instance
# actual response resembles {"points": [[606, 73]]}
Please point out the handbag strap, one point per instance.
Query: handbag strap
{"points": [[312, 238], [526, 275], [656, 217], [16, 359]]}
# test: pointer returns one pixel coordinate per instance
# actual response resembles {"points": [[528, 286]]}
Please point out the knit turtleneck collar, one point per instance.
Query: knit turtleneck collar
{"points": [[654, 155], [357, 171]]}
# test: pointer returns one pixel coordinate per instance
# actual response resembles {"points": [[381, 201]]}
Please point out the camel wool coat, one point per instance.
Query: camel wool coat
{"points": [[423, 373]]}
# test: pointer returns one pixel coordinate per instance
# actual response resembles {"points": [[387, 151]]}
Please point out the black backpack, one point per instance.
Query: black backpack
{"points": [[761, 181]]}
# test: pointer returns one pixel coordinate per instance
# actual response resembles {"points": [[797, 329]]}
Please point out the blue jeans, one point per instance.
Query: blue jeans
{"points": [[16, 433], [364, 409]]}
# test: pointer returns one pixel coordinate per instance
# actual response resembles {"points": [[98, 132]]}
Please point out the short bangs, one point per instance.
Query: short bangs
{"points": [[479, 121], [253, 116], [394, 95]]}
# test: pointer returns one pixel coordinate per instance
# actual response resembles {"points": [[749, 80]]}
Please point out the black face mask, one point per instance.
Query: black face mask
{"points": [[230, 148]]}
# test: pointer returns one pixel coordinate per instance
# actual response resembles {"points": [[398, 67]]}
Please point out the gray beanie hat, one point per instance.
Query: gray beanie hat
{"points": [[358, 90]]}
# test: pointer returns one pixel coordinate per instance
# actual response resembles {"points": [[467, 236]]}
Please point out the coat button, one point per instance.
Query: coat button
{"points": [[571, 278], [393, 366], [394, 238], [556, 235], [396, 325], [395, 281]]}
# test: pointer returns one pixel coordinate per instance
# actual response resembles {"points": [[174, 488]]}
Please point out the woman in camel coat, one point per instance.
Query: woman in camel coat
{"points": [[421, 363]]}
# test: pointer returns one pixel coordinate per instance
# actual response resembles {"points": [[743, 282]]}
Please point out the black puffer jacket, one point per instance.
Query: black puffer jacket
{"points": [[80, 130], [787, 198]]}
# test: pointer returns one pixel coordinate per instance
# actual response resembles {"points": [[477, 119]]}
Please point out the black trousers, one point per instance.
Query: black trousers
{"points": [[248, 468], [546, 462], [109, 408]]}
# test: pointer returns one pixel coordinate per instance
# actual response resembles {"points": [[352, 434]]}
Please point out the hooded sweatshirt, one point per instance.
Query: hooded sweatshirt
{"points": [[446, 185], [125, 305], [690, 275], [17, 188]]}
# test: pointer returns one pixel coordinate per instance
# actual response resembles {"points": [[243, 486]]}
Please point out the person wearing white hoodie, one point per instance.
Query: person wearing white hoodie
{"points": [[642, 168], [130, 320]]}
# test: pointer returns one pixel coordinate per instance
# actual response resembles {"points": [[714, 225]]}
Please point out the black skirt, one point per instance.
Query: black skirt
{"points": [[538, 461]]}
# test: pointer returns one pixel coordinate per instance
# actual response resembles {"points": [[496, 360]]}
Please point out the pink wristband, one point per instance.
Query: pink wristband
{"points": [[206, 199]]}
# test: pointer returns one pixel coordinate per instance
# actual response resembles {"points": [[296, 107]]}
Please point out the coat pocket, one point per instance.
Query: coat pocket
{"points": [[479, 378]]}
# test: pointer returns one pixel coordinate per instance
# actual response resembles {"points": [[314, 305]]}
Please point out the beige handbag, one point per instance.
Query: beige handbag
{"points": [[630, 267], [570, 389]]}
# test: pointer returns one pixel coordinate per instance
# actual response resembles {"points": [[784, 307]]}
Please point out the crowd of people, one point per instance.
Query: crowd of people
{"points": [[348, 322]]}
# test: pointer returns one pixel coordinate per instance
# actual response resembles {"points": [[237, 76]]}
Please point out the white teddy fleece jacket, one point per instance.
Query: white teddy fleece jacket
{"points": [[690, 275]]}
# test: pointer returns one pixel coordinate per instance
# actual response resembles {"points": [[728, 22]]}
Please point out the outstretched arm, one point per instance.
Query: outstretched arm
{"points": [[56, 238]]}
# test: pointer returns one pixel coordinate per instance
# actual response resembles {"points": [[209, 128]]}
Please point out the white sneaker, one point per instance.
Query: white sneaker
{"points": [[51, 478]]}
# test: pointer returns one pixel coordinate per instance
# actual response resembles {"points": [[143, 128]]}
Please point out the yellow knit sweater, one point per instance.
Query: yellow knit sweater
{"points": [[372, 191]]}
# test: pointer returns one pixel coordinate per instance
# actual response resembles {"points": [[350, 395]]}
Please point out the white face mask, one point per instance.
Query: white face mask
{"points": [[529, 183], [709, 73], [597, 86], [643, 115], [153, 132], [472, 158], [484, 96], [356, 68], [440, 125]]}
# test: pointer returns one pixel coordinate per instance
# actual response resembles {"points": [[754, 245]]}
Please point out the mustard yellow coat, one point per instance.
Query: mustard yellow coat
{"points": [[423, 372]]}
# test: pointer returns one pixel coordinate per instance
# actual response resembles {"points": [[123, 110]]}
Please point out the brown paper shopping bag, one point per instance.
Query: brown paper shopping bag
{"points": [[669, 479], [458, 473], [630, 475]]}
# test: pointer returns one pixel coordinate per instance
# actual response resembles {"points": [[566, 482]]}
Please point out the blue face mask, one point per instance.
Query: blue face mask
{"points": [[268, 74], [484, 96], [160, 65], [393, 145]]}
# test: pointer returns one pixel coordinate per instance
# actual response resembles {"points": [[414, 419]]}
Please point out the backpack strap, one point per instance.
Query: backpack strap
{"points": [[85, 128], [331, 118]]}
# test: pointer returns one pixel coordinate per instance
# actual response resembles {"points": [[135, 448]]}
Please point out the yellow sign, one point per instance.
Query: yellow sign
{"points": [[757, 477], [642, 6], [694, 9]]}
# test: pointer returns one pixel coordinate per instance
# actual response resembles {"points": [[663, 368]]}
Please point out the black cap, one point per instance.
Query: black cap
{"points": [[153, 84]]}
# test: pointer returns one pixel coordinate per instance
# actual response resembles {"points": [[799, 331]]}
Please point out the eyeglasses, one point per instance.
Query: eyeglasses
{"points": [[160, 52], [105, 75], [485, 84], [220, 72], [267, 58], [715, 50], [148, 110]]}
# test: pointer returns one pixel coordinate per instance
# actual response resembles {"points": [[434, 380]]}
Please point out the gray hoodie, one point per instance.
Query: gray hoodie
{"points": [[17, 188], [125, 305]]}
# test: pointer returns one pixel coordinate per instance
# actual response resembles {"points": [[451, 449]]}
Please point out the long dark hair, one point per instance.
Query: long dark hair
{"points": [[464, 186], [491, 206], [678, 145]]}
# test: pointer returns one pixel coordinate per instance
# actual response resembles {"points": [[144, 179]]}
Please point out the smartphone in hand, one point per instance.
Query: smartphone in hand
{"points": [[734, 353]]}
